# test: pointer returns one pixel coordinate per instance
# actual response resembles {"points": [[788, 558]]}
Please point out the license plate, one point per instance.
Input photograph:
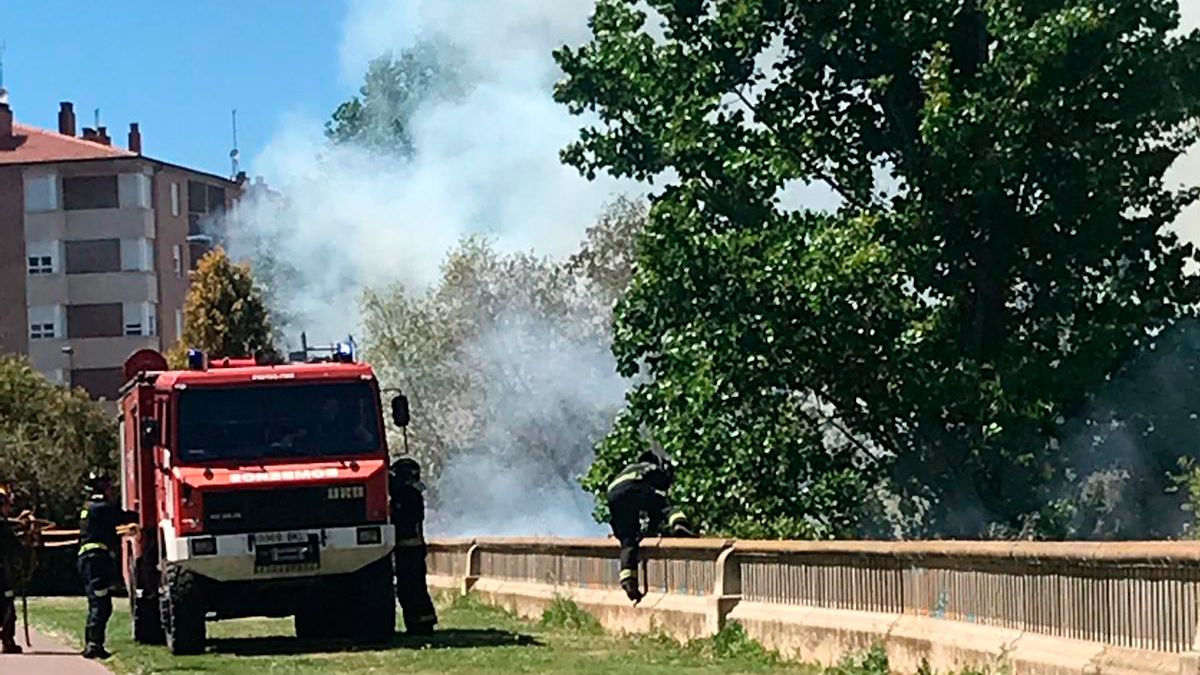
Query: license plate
{"points": [[270, 538]]}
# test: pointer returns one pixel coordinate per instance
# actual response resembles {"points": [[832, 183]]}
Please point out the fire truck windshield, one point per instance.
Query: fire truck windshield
{"points": [[270, 421]]}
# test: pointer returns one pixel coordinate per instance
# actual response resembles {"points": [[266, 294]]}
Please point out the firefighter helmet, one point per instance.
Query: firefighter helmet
{"points": [[98, 480], [661, 462], [406, 468]]}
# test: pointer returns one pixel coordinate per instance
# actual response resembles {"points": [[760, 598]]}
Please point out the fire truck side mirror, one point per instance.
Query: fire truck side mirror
{"points": [[400, 410], [150, 433]]}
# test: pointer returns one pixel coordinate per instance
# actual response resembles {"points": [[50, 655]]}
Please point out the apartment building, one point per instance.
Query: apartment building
{"points": [[96, 245]]}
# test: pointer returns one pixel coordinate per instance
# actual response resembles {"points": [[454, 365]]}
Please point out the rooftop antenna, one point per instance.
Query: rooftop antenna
{"points": [[234, 154], [97, 115], [3, 91]]}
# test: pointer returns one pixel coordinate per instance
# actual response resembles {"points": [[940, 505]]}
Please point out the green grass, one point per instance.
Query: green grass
{"points": [[472, 638]]}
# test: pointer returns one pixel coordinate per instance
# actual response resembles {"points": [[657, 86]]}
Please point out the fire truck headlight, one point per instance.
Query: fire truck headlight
{"points": [[204, 546], [369, 535]]}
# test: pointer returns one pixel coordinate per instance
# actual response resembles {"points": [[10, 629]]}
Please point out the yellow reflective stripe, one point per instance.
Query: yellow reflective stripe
{"points": [[625, 478], [628, 574], [93, 546], [83, 514], [102, 593], [676, 517]]}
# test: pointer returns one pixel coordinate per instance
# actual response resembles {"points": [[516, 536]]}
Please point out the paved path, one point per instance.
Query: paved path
{"points": [[47, 657]]}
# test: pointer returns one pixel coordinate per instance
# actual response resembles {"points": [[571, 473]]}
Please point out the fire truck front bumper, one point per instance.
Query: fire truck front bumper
{"points": [[279, 555]]}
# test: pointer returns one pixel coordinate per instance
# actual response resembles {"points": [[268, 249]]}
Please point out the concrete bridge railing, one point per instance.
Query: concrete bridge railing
{"points": [[1127, 608]]}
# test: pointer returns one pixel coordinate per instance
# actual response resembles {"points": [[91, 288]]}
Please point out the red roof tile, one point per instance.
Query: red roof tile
{"points": [[30, 144]]}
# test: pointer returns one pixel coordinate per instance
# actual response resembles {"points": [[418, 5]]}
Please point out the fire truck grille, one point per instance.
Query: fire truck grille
{"points": [[288, 509]]}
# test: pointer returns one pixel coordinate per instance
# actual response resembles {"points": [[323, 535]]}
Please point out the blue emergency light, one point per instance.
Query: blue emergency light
{"points": [[195, 359]]}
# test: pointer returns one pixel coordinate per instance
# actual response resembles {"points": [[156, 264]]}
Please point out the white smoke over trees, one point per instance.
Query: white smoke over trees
{"points": [[507, 366]]}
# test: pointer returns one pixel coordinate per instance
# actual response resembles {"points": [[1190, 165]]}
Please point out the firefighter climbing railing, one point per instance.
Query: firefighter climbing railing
{"points": [[1138, 595]]}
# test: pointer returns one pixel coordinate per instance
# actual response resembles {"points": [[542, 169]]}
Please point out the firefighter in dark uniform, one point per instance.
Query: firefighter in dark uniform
{"points": [[641, 488], [99, 547], [408, 517], [10, 551]]}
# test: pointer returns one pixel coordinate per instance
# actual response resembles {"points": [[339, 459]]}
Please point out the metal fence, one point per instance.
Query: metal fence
{"points": [[1139, 595]]}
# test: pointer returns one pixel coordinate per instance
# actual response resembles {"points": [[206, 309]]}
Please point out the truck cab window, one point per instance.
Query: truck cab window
{"points": [[277, 421]]}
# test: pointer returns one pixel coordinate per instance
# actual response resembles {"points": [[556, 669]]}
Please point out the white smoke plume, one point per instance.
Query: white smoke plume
{"points": [[484, 162]]}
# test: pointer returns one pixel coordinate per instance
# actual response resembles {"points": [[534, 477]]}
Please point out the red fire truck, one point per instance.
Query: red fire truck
{"points": [[262, 490]]}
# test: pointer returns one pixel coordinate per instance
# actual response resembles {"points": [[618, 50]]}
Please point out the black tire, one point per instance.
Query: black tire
{"points": [[359, 607], [376, 602], [325, 614], [145, 617], [182, 603]]}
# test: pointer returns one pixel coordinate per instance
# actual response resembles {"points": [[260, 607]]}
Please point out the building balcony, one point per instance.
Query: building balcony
{"points": [[131, 223], [90, 289], [88, 353]]}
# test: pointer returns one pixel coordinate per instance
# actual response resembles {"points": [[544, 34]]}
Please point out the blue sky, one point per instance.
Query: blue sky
{"points": [[177, 68]]}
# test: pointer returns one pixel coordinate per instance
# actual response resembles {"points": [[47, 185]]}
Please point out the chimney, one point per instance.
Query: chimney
{"points": [[102, 136], [66, 118], [89, 134], [6, 121], [135, 138]]}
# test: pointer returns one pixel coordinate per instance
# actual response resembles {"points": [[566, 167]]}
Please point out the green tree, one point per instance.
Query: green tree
{"points": [[938, 328], [50, 438], [224, 314], [394, 87]]}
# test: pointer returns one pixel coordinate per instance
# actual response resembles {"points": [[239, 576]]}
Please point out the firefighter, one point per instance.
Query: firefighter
{"points": [[408, 516], [10, 551], [98, 551], [641, 488]]}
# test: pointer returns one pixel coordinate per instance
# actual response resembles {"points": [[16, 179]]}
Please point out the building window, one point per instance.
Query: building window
{"points": [[41, 331], [175, 199], [40, 256], [177, 259], [90, 321], [44, 321], [136, 255], [139, 319], [99, 382], [197, 197], [133, 191], [90, 192], [92, 256], [41, 193], [41, 264]]}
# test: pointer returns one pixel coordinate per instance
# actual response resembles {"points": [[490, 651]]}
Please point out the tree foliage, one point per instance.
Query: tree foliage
{"points": [[224, 313], [50, 438], [1000, 249], [394, 87], [506, 357]]}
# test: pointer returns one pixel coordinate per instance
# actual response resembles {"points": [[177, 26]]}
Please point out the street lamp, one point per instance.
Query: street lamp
{"points": [[70, 352]]}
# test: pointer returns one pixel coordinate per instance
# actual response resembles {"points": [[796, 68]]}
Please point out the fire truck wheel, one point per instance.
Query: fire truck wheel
{"points": [[183, 612], [325, 614], [376, 602], [144, 611]]}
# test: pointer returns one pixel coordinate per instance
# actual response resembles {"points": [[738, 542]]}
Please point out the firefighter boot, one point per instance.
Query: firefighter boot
{"points": [[8, 634], [630, 586], [95, 651]]}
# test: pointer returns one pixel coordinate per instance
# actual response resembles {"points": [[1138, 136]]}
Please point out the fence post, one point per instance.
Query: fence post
{"points": [[727, 591], [471, 574]]}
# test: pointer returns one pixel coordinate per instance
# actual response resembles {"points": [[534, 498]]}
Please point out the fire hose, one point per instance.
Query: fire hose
{"points": [[38, 533]]}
